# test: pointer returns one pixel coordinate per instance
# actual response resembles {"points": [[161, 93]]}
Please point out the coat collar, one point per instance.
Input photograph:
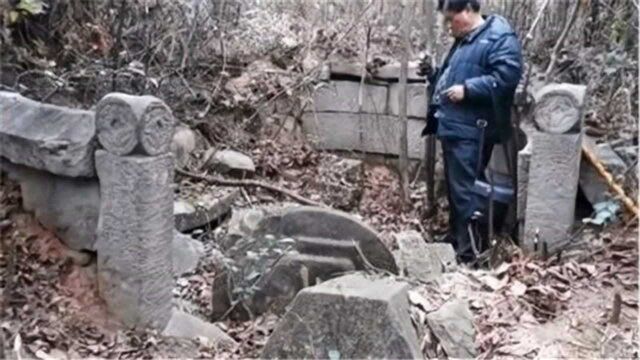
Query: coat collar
{"points": [[474, 34]]}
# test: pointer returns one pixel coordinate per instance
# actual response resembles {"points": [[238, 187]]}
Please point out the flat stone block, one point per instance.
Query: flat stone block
{"points": [[380, 133], [342, 96], [351, 317], [416, 100], [47, 137]]}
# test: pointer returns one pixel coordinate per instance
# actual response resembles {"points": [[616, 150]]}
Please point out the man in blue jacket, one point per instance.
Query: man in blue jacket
{"points": [[475, 85]]}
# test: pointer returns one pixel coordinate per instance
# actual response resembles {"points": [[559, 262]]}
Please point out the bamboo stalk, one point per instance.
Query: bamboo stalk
{"points": [[617, 189]]}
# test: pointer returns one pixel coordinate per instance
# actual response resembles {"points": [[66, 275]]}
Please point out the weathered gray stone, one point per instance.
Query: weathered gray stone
{"points": [[559, 108], [233, 163], [47, 137], [342, 96], [593, 185], [243, 223], [552, 189], [67, 206], [416, 100], [380, 133], [425, 262], [452, 325], [290, 250], [628, 153], [391, 72], [554, 168], [184, 325], [352, 317], [182, 145], [135, 232], [127, 124], [186, 253], [191, 214]]}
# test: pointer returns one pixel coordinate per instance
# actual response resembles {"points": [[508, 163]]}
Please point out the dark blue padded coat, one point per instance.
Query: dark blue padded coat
{"points": [[488, 62]]}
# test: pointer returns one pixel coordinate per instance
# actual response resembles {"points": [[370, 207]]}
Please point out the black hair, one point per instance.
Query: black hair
{"points": [[458, 5]]}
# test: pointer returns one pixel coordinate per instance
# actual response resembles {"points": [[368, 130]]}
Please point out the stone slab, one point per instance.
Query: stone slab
{"points": [[135, 234], [47, 137], [422, 261], [351, 317], [195, 213], [380, 133], [452, 325], [552, 189], [416, 100], [342, 96]]}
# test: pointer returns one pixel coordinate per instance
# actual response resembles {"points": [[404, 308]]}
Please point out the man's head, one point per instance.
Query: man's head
{"points": [[461, 16]]}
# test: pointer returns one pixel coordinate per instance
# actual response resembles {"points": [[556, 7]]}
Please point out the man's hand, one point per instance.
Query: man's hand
{"points": [[426, 66], [455, 93]]}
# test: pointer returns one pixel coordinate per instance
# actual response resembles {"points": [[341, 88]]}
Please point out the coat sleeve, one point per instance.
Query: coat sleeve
{"points": [[505, 70]]}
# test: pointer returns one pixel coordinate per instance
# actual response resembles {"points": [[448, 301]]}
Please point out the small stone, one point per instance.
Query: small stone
{"points": [[184, 325], [452, 325], [182, 145], [186, 253], [426, 262], [233, 163], [80, 258]]}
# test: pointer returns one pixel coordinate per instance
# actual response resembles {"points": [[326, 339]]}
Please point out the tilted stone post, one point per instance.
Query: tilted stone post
{"points": [[554, 167], [135, 226]]}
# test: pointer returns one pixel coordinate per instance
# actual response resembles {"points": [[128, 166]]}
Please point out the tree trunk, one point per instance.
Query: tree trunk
{"points": [[402, 97]]}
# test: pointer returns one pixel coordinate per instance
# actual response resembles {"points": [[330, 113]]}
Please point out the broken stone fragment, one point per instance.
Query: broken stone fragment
{"points": [[186, 253], [425, 262], [355, 316], [233, 163], [184, 325], [194, 213], [452, 325]]}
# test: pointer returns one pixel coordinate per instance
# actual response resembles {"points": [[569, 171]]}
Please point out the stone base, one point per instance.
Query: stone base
{"points": [[352, 317]]}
